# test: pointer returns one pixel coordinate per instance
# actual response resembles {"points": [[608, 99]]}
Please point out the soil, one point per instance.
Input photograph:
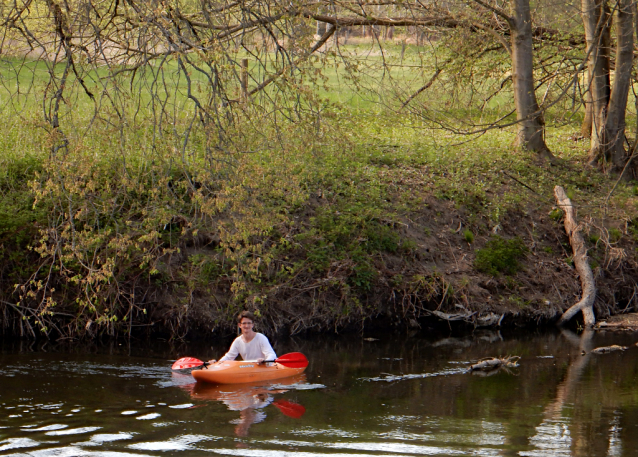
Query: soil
{"points": [[438, 285], [433, 285]]}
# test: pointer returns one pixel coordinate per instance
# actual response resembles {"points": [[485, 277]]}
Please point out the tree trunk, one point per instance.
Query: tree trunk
{"points": [[595, 15], [585, 128], [321, 28], [635, 143], [531, 125], [389, 33], [615, 124], [609, 107]]}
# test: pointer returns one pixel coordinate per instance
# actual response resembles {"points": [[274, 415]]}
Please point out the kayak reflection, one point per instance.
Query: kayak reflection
{"points": [[250, 399]]}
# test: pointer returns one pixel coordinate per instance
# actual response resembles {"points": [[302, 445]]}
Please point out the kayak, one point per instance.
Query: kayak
{"points": [[236, 372]]}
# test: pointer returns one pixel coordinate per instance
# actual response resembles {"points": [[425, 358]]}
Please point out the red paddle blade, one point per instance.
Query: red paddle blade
{"points": [[290, 409], [186, 362], [293, 360]]}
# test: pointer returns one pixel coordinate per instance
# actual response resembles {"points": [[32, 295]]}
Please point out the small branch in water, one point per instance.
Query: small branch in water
{"points": [[608, 349], [495, 363]]}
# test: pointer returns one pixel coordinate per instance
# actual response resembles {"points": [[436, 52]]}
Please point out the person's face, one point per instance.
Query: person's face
{"points": [[246, 325]]}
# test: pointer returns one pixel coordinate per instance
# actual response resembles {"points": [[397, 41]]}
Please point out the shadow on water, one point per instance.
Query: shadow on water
{"points": [[396, 396]]}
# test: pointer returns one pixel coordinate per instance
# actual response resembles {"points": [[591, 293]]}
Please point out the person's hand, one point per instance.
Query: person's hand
{"points": [[260, 360], [211, 361]]}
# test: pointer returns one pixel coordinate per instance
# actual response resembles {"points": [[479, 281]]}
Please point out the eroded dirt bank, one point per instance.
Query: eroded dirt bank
{"points": [[438, 262], [436, 280]]}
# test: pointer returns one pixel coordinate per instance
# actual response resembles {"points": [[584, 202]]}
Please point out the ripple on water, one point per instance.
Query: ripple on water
{"points": [[160, 446], [387, 377], [552, 437], [330, 431], [46, 428], [73, 451], [181, 443], [101, 438], [394, 453], [73, 431], [299, 386], [463, 433], [52, 406], [182, 406], [17, 443], [163, 424], [385, 448], [149, 416]]}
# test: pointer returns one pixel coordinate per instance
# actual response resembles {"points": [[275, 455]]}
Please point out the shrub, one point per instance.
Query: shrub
{"points": [[468, 236], [614, 235], [500, 256]]}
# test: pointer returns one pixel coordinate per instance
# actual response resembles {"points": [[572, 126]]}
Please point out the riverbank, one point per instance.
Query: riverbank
{"points": [[378, 229]]}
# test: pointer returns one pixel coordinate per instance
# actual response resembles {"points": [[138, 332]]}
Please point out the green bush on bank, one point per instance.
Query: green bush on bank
{"points": [[500, 256]]}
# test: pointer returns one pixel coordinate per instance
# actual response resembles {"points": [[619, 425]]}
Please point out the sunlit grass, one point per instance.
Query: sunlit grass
{"points": [[363, 139]]}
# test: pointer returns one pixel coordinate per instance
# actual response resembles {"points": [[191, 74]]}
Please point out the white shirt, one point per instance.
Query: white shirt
{"points": [[259, 347]]}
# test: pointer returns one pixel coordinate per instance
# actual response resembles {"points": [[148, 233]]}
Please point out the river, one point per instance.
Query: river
{"points": [[393, 395]]}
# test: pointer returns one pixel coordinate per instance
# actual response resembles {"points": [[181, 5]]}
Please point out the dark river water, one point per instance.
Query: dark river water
{"points": [[394, 396]]}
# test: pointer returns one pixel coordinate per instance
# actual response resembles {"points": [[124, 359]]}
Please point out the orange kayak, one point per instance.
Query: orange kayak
{"points": [[236, 372]]}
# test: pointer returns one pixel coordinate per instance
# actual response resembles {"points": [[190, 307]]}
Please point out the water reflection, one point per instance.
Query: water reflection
{"points": [[249, 399], [390, 396]]}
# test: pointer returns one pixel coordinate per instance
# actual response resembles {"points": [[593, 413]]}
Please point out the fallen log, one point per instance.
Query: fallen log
{"points": [[453, 317], [608, 349], [493, 363], [588, 285], [627, 322]]}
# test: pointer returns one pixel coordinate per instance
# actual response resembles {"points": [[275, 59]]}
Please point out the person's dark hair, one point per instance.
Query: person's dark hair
{"points": [[247, 315]]}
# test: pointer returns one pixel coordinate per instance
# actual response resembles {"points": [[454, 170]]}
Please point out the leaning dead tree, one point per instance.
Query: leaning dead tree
{"points": [[586, 303]]}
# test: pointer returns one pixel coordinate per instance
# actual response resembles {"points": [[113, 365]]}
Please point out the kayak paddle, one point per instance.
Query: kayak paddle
{"points": [[291, 360]]}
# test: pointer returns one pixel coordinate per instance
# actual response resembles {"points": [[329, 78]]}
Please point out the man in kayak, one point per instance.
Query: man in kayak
{"points": [[251, 345]]}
